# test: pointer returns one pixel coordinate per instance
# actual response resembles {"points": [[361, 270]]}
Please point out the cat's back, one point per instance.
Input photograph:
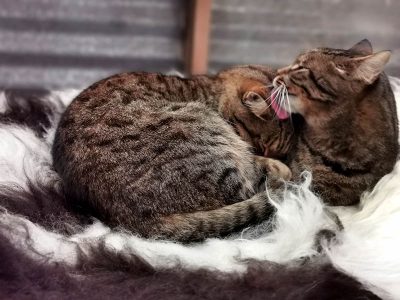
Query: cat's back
{"points": [[125, 108], [120, 90]]}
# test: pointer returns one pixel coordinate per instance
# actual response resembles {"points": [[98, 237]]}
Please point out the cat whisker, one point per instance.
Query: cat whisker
{"points": [[277, 99], [287, 103], [272, 97], [281, 98]]}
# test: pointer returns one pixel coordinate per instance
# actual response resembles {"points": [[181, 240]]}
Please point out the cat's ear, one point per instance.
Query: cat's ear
{"points": [[255, 102], [362, 47], [369, 67]]}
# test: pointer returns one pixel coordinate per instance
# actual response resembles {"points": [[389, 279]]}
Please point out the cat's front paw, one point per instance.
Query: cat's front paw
{"points": [[275, 168], [279, 169]]}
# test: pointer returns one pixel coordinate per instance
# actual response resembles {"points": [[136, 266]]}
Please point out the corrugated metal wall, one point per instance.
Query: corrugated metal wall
{"points": [[273, 32], [71, 43]]}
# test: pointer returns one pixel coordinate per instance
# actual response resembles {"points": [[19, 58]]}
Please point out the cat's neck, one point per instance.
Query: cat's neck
{"points": [[205, 89], [323, 129], [354, 132]]}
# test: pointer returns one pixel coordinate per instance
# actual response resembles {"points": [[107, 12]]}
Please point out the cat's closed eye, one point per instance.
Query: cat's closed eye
{"points": [[325, 87]]}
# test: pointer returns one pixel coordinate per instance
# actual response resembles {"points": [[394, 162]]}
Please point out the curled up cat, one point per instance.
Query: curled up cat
{"points": [[155, 154]]}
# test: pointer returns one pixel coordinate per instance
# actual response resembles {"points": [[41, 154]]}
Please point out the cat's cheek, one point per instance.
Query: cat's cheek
{"points": [[296, 105]]}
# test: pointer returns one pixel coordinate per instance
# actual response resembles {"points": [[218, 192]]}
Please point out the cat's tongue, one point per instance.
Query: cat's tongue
{"points": [[280, 112]]}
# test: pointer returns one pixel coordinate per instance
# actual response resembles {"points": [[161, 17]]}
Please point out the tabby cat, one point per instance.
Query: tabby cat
{"points": [[349, 136], [152, 154]]}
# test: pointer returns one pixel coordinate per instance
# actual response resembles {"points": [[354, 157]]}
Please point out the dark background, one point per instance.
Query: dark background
{"points": [[71, 43]]}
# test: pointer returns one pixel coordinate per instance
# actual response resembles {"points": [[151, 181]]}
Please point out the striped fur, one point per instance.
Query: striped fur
{"points": [[349, 136], [151, 153]]}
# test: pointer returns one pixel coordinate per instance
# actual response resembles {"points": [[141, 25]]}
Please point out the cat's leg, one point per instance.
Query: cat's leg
{"points": [[274, 168]]}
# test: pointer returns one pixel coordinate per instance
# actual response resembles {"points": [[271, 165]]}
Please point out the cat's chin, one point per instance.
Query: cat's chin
{"points": [[295, 104]]}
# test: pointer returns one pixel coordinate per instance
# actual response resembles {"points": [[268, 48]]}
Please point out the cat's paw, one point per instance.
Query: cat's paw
{"points": [[279, 169], [275, 168]]}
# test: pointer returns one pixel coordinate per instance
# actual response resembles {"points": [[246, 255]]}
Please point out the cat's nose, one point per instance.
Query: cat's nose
{"points": [[278, 80]]}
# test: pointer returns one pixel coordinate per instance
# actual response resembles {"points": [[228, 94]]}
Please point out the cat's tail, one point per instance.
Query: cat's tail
{"points": [[218, 222]]}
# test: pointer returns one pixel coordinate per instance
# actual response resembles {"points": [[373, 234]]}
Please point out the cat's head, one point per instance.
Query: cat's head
{"points": [[245, 103], [324, 81]]}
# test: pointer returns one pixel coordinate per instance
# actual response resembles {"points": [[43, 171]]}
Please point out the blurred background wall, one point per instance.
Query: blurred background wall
{"points": [[71, 43]]}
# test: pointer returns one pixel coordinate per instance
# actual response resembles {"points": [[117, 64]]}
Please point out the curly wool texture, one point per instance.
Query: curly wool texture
{"points": [[51, 252], [109, 275]]}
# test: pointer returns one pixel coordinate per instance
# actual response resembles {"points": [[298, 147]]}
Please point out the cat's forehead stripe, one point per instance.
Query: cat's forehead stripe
{"points": [[303, 58], [339, 52]]}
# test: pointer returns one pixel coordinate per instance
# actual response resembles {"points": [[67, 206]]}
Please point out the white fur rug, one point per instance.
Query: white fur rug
{"points": [[367, 249]]}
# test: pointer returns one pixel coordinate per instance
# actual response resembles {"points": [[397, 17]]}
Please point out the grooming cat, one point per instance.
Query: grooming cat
{"points": [[150, 153], [349, 136]]}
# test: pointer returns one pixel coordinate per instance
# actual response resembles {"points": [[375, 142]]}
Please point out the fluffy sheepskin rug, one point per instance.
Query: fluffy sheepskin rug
{"points": [[49, 252]]}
